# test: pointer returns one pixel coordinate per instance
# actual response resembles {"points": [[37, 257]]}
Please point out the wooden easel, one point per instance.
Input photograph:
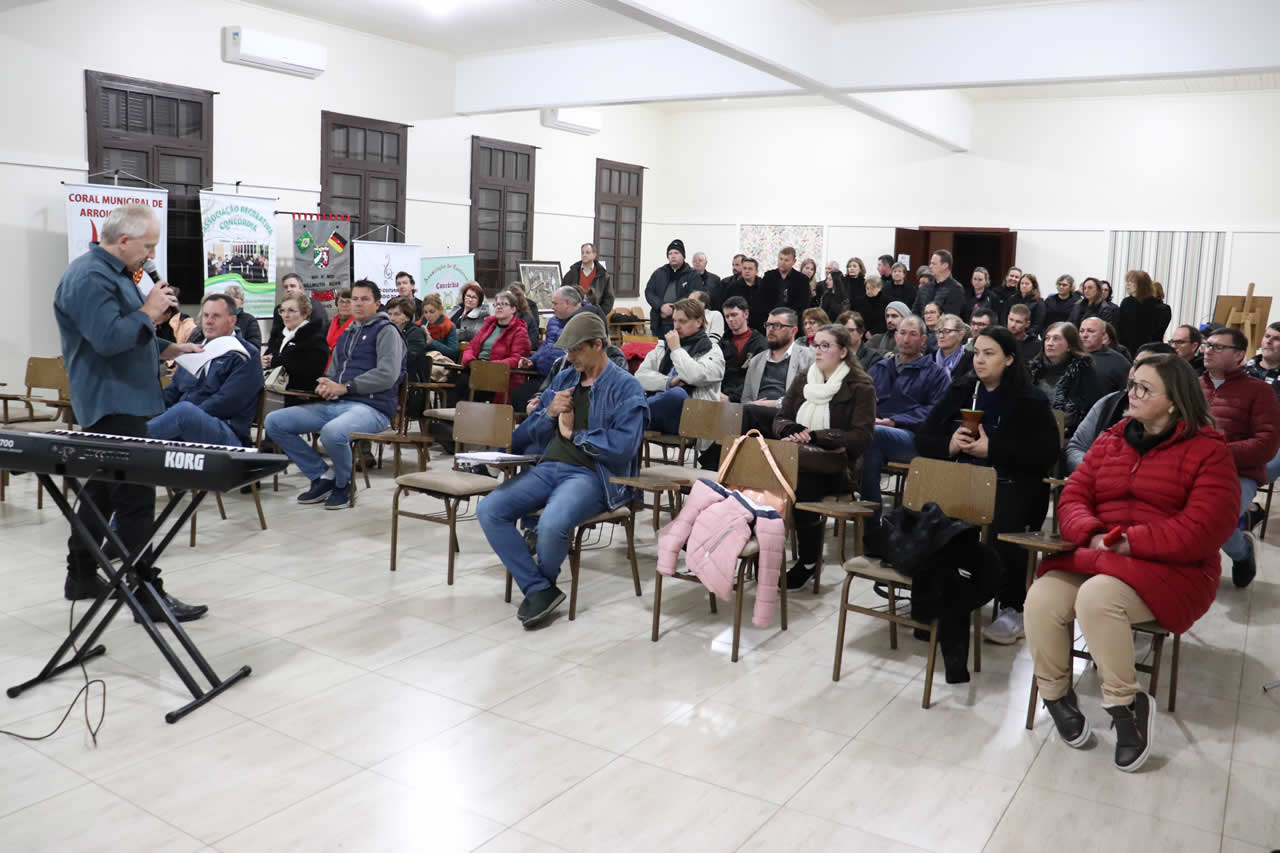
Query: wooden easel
{"points": [[1247, 313]]}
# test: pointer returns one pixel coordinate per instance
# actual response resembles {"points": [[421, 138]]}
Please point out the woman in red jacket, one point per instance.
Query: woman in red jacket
{"points": [[503, 337], [1147, 509]]}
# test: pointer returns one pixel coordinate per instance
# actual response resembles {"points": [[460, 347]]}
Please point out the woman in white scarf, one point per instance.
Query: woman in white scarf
{"points": [[832, 407]]}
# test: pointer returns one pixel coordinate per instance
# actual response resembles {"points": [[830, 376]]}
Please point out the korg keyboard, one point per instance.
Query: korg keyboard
{"points": [[142, 461]]}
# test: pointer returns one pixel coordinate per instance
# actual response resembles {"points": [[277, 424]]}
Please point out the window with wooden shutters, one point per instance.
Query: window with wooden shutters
{"points": [[501, 210], [619, 202], [154, 133], [363, 163]]}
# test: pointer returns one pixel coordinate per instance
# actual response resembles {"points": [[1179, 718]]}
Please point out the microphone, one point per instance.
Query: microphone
{"points": [[149, 267]]}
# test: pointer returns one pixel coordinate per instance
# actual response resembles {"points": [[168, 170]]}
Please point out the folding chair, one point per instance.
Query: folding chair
{"points": [[258, 428], [491, 376], [43, 374]]}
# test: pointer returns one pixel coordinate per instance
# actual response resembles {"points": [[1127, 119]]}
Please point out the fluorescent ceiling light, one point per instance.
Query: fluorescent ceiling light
{"points": [[442, 8]]}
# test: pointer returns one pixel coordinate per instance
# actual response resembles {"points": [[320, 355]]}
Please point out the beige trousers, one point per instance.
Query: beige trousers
{"points": [[1106, 607]]}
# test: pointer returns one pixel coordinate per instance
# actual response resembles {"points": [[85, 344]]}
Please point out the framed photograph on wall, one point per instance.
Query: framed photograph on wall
{"points": [[540, 280]]}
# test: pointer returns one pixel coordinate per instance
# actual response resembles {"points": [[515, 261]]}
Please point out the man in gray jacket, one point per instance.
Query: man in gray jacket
{"points": [[770, 373]]}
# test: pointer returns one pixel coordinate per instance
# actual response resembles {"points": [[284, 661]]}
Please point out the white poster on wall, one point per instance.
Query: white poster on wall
{"points": [[240, 247], [381, 262], [89, 204], [444, 276]]}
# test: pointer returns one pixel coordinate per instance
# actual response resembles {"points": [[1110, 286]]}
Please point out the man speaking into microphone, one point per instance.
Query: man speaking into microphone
{"points": [[112, 357]]}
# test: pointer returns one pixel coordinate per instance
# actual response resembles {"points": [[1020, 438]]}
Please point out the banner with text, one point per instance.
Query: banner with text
{"points": [[381, 262], [89, 204], [240, 247], [445, 276], [321, 252]]}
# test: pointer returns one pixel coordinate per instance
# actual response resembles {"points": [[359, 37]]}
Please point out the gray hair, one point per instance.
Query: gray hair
{"points": [[129, 220], [912, 318], [571, 293], [697, 255], [235, 291]]}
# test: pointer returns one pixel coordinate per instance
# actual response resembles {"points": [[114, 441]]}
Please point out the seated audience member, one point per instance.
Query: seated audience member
{"points": [[588, 427], [360, 391], [1029, 295], [614, 353], [246, 324], [1108, 411], [760, 298], [470, 313], [1064, 371], [668, 284], [979, 321], [565, 302], [1058, 306], [1019, 324], [944, 289], [812, 320], [714, 320], [1092, 304], [407, 287], [871, 303], [887, 341], [341, 318], [853, 321], [504, 337], [417, 365], [292, 283], [591, 279], [833, 291], [1111, 367], [216, 404], [1018, 437], [831, 406], [770, 373], [951, 355], [1247, 413], [1266, 366], [684, 364], [982, 296], [1186, 342], [908, 385], [1163, 477], [300, 349], [898, 289], [527, 311], [442, 335], [738, 346], [1140, 315]]}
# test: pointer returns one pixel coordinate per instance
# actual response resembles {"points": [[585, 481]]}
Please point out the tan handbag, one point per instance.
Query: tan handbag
{"points": [[277, 380], [782, 498]]}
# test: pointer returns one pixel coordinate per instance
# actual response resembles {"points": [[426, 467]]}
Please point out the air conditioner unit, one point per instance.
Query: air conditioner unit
{"points": [[258, 49], [585, 122]]}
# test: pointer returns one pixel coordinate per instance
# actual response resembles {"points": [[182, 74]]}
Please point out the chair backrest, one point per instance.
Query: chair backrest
{"points": [[749, 468], [965, 492], [48, 374], [1060, 417], [710, 419], [639, 339], [260, 418], [492, 376], [401, 417], [483, 424]]}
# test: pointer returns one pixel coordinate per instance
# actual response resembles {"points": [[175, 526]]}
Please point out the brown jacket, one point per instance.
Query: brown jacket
{"points": [[853, 414]]}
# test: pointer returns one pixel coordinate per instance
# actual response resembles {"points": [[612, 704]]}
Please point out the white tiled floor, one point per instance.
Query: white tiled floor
{"points": [[393, 712]]}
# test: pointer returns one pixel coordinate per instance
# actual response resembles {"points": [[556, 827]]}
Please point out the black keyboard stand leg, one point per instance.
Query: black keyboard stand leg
{"points": [[138, 564]]}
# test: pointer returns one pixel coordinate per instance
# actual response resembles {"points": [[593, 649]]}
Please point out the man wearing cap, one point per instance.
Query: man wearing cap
{"points": [[587, 426], [670, 283]]}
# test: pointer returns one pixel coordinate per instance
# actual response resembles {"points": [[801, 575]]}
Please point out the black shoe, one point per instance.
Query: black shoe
{"points": [[1253, 516], [542, 604], [182, 612], [799, 575], [83, 588], [1072, 725], [920, 634], [318, 492], [1134, 725], [525, 610], [1243, 571]]}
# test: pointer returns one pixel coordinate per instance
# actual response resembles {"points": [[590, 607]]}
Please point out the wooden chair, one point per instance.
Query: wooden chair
{"points": [[396, 435], [486, 424], [1266, 507], [43, 374], [964, 492], [749, 469], [490, 376], [843, 510], [258, 428], [639, 339]]}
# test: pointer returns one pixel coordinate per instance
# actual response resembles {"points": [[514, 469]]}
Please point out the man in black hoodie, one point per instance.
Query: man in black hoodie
{"points": [[945, 291], [791, 284], [670, 283]]}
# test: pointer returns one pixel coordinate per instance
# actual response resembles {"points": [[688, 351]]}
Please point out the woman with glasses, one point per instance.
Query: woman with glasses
{"points": [[1146, 510], [831, 406], [301, 348], [1018, 437], [951, 355], [931, 314], [470, 313], [812, 320], [504, 337], [1064, 371]]}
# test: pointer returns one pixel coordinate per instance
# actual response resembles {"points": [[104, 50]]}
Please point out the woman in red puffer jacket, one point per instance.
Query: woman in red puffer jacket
{"points": [[1147, 509]]}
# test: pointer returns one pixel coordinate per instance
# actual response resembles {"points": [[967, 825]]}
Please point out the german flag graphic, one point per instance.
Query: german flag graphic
{"points": [[337, 241]]}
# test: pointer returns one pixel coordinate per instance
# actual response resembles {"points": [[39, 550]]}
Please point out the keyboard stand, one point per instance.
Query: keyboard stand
{"points": [[143, 559]]}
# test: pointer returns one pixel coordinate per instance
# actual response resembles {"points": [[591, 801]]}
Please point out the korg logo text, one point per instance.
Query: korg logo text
{"points": [[185, 461]]}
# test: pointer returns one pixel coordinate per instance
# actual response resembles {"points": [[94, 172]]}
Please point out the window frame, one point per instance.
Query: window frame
{"points": [[619, 199], [331, 164], [501, 185]]}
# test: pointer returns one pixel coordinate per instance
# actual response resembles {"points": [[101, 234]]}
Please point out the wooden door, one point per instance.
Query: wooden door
{"points": [[910, 242]]}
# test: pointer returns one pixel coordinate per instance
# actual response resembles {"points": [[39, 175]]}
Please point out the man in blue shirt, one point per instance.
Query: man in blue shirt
{"points": [[109, 345], [588, 427], [216, 403]]}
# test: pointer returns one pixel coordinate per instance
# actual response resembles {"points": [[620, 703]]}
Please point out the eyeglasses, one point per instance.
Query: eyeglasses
{"points": [[1139, 390], [1220, 347], [290, 311], [948, 331], [823, 347], [1179, 343], [776, 326]]}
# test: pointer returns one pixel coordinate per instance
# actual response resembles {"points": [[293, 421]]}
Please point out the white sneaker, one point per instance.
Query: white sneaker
{"points": [[1007, 629]]}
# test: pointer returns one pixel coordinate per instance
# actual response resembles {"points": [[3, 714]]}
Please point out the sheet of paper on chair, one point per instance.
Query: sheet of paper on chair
{"points": [[194, 362], [495, 457]]}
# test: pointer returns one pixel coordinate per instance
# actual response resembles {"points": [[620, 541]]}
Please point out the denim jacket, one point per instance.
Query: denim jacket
{"points": [[616, 423]]}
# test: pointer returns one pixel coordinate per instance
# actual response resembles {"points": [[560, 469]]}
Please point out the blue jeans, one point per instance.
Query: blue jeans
{"points": [[1273, 469], [665, 408], [188, 422], [1238, 546], [566, 494], [888, 444], [335, 421]]}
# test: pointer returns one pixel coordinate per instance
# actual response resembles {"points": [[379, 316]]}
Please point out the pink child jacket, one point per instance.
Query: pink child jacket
{"points": [[716, 523]]}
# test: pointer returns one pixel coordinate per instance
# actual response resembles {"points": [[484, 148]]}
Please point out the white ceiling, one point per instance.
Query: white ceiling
{"points": [[461, 27], [1126, 88], [841, 11]]}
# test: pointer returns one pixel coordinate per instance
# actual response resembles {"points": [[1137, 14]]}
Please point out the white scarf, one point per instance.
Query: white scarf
{"points": [[815, 411]]}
